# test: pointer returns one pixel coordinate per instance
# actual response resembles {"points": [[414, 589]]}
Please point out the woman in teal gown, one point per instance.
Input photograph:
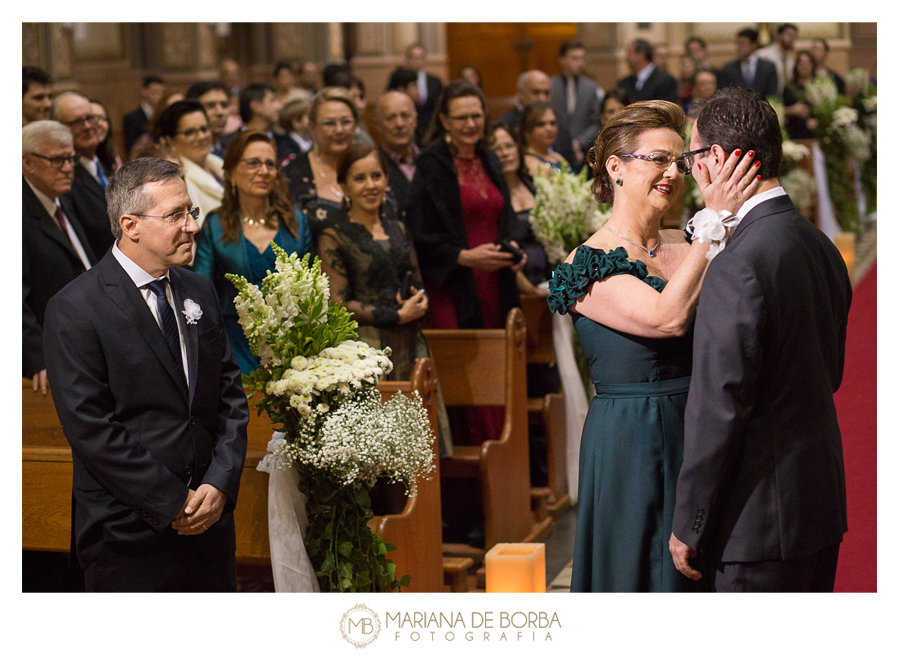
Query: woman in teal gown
{"points": [[632, 290], [236, 238]]}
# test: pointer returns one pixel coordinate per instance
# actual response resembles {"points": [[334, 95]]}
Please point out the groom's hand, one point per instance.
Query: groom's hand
{"points": [[681, 553], [203, 509]]}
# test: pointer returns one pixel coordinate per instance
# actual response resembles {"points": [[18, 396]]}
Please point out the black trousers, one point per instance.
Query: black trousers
{"points": [[813, 573]]}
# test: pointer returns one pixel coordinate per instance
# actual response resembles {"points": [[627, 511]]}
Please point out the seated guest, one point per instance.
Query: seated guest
{"points": [[184, 129], [799, 121], [296, 139], [511, 153], [820, 55], [704, 85], [539, 128], [534, 86], [313, 175], [367, 257], [215, 102], [405, 81], [236, 238], [396, 116], [55, 249], [37, 90], [471, 74], [107, 152], [137, 122], [646, 82], [89, 187], [285, 84]]}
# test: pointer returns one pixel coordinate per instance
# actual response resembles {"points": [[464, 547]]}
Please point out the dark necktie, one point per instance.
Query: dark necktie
{"points": [[61, 220], [167, 320]]}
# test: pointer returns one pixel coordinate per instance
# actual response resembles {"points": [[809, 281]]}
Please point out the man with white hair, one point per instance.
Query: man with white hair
{"points": [[55, 249], [74, 110]]}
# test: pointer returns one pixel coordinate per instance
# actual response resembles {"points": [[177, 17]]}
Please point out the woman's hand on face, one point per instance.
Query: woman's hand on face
{"points": [[486, 257], [736, 183], [414, 307]]}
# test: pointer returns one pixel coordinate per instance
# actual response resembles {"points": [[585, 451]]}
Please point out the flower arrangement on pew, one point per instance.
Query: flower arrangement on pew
{"points": [[844, 137], [798, 183], [565, 212], [317, 384]]}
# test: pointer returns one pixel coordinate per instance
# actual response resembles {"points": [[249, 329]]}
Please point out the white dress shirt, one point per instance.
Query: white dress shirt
{"points": [[141, 279]]}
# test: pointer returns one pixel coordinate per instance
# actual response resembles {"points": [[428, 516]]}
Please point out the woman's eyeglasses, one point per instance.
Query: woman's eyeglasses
{"points": [[684, 162], [191, 133], [255, 164]]}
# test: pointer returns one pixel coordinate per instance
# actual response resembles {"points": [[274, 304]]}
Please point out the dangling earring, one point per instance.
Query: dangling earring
{"points": [[619, 182], [447, 137]]}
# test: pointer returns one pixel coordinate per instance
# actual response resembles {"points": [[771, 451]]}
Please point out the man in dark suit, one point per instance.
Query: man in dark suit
{"points": [[430, 87], [576, 98], [533, 86], [150, 400], [396, 117], [749, 70], [54, 247], [761, 491], [646, 82], [136, 122], [88, 196]]}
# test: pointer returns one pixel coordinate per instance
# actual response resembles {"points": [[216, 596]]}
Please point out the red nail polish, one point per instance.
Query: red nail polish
{"points": [[757, 164], [749, 154], [699, 166], [758, 177], [737, 153]]}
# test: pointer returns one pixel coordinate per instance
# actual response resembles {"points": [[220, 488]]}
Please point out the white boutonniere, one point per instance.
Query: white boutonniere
{"points": [[711, 227], [192, 311]]}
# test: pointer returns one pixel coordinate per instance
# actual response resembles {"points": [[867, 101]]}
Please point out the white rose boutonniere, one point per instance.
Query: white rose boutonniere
{"points": [[192, 311], [711, 226]]}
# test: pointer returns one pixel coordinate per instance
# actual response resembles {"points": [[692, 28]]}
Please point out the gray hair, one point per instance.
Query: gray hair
{"points": [[38, 132], [125, 192], [54, 105]]}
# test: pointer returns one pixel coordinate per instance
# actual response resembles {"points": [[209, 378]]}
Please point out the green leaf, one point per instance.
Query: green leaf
{"points": [[345, 547]]}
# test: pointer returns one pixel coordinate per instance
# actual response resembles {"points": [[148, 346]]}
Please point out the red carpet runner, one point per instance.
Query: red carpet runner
{"points": [[856, 412]]}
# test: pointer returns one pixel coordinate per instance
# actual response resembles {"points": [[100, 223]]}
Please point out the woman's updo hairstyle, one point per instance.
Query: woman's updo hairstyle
{"points": [[620, 136]]}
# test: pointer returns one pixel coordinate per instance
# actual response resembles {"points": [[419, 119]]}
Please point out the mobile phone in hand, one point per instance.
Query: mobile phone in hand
{"points": [[405, 284], [508, 248]]}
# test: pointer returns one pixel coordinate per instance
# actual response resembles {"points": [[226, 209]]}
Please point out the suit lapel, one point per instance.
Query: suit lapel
{"points": [[90, 183], [189, 331], [125, 295]]}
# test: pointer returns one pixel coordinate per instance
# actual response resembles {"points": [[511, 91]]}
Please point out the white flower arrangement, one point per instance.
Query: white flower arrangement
{"points": [[800, 186], [794, 151], [857, 81], [565, 213], [821, 90]]}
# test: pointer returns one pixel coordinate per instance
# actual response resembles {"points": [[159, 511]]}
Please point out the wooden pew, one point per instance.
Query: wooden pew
{"points": [[486, 367], [47, 490], [549, 411], [416, 532]]}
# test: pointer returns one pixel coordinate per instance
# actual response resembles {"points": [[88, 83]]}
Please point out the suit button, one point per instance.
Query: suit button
{"points": [[187, 470], [193, 420], [154, 521]]}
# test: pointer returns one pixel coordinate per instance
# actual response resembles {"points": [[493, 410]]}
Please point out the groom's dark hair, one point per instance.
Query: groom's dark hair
{"points": [[740, 118]]}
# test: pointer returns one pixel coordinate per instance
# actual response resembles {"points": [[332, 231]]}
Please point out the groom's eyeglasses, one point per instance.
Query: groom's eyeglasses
{"points": [[691, 156]]}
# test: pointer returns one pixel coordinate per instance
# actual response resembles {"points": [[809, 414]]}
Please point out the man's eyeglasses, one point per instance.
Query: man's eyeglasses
{"points": [[191, 133], [179, 217], [255, 164], [90, 119], [691, 157], [58, 161]]}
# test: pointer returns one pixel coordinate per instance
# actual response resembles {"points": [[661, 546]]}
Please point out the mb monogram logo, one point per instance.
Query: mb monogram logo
{"points": [[360, 626]]}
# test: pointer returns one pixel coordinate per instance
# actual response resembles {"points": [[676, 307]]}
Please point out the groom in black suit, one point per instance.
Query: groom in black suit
{"points": [[761, 490], [150, 399]]}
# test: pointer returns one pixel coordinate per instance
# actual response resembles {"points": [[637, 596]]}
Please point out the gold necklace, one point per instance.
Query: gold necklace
{"points": [[250, 221]]}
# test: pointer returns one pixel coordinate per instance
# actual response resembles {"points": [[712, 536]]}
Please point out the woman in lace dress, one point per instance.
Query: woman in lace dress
{"points": [[632, 290], [369, 258]]}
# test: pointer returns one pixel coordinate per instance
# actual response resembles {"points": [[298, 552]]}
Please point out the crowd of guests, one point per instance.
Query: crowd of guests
{"points": [[264, 162]]}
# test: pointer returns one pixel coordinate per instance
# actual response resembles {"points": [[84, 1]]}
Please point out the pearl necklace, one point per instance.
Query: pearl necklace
{"points": [[650, 252]]}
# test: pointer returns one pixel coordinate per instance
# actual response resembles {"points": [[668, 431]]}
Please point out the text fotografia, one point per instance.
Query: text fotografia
{"points": [[479, 626]]}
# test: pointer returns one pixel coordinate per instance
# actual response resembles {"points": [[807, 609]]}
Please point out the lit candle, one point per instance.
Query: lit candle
{"points": [[846, 244], [515, 568]]}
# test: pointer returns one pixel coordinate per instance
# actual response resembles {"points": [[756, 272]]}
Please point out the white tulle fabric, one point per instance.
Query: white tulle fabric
{"points": [[291, 568], [575, 397]]}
